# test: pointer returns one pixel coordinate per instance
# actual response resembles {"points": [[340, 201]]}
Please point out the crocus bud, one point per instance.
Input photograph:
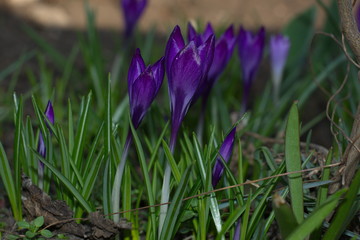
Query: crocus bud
{"points": [[49, 113], [279, 49], [132, 11], [225, 153], [186, 65], [250, 48], [143, 85]]}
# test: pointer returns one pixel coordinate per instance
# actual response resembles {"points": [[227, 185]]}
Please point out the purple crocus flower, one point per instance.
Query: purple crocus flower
{"points": [[225, 153], [186, 66], [279, 49], [250, 53], [224, 47], [49, 113], [132, 11], [143, 85]]}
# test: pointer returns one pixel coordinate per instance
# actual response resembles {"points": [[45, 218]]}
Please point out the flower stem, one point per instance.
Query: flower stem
{"points": [[115, 198]]}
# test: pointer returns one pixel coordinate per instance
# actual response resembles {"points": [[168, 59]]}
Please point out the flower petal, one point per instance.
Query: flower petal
{"points": [[144, 92], [49, 112], [185, 75], [279, 49], [173, 47], [225, 152], [158, 72], [137, 66], [192, 34]]}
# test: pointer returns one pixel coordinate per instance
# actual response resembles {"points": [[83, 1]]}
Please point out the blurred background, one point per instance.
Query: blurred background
{"points": [[163, 14]]}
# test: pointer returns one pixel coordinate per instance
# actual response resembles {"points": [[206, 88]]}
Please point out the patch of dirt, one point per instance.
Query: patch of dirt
{"points": [[58, 217]]}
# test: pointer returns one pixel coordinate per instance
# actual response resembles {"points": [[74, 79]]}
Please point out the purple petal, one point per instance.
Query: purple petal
{"points": [[137, 66], [206, 53], [279, 49], [132, 10], [144, 92], [208, 32], [49, 112], [192, 34], [41, 149], [158, 72], [230, 39], [185, 75], [220, 60], [250, 52], [174, 45], [225, 152]]}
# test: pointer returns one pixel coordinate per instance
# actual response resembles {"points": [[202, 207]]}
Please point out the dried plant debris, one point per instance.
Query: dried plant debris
{"points": [[59, 215]]}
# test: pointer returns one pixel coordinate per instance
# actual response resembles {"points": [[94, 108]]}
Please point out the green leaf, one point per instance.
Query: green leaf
{"points": [[23, 224], [174, 167], [46, 233], [322, 192], [67, 184], [345, 211], [293, 162], [214, 207], [284, 216], [175, 205], [80, 133], [39, 221], [30, 234], [12, 237], [316, 218], [6, 176], [144, 169]]}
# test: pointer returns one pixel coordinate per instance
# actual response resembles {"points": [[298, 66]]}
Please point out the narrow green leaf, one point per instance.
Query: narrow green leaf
{"points": [[284, 216], [175, 206], [67, 184], [293, 162], [80, 132], [316, 218], [245, 219], [7, 178], [174, 167], [144, 169], [214, 207], [322, 192], [344, 213]]}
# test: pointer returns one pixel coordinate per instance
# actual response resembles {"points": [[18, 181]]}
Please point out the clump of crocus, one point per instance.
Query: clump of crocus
{"points": [[186, 66], [41, 148], [225, 152], [132, 10], [143, 85], [279, 49], [251, 47], [223, 50]]}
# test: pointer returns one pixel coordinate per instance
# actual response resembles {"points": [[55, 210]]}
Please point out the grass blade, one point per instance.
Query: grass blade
{"points": [[175, 206], [66, 183], [293, 162], [316, 217]]}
